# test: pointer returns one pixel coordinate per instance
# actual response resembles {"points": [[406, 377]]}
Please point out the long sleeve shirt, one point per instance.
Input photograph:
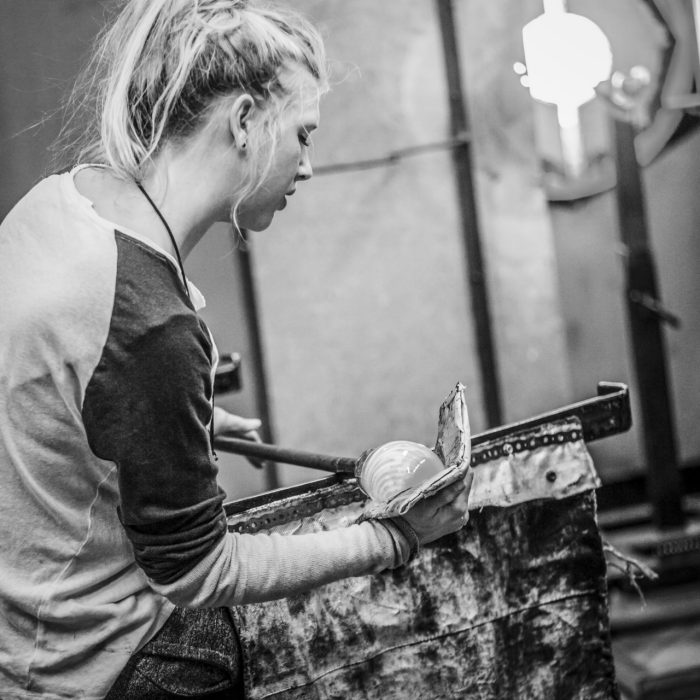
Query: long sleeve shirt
{"points": [[110, 509]]}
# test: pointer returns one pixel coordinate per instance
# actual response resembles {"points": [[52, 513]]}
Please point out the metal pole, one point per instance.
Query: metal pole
{"points": [[470, 225], [262, 400], [645, 315]]}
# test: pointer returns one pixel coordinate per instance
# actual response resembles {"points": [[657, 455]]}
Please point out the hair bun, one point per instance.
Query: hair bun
{"points": [[215, 6], [220, 17]]}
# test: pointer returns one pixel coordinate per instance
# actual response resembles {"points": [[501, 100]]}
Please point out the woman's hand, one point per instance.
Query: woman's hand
{"points": [[228, 424], [443, 513]]}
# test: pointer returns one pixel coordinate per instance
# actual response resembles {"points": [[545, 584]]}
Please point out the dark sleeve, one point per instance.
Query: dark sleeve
{"points": [[146, 408]]}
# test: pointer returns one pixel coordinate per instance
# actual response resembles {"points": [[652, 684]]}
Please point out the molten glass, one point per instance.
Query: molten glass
{"points": [[396, 467]]}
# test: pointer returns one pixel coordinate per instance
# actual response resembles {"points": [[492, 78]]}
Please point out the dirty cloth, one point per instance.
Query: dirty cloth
{"points": [[512, 606]]}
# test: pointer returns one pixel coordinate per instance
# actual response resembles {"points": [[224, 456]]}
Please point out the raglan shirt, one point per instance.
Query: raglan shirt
{"points": [[109, 505]]}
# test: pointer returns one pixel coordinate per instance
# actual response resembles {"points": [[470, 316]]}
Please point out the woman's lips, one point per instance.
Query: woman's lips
{"points": [[284, 199]]}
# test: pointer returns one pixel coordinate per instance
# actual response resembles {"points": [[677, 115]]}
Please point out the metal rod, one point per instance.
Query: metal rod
{"points": [[470, 224], [392, 158], [647, 341], [262, 399], [301, 458]]}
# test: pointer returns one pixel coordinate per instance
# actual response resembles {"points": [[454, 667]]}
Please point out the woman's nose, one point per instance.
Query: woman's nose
{"points": [[305, 170]]}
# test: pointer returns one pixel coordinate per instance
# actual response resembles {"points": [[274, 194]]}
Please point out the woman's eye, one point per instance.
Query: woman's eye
{"points": [[304, 139]]}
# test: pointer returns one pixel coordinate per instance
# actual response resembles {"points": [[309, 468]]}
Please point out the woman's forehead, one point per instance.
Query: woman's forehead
{"points": [[309, 113]]}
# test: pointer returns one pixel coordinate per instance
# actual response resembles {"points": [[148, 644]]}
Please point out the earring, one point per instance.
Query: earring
{"points": [[243, 145]]}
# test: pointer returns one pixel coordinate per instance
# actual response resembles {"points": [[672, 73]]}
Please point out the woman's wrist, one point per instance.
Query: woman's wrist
{"points": [[408, 533]]}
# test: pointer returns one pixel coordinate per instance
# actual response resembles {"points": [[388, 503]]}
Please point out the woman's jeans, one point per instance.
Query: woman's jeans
{"points": [[195, 654]]}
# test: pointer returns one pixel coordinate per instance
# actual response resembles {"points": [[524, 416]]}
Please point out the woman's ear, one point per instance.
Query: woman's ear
{"points": [[239, 120]]}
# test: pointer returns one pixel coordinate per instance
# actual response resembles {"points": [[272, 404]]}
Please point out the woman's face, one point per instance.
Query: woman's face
{"points": [[291, 158]]}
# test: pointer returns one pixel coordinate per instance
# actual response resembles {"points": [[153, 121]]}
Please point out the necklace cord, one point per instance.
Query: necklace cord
{"points": [[172, 238], [187, 291]]}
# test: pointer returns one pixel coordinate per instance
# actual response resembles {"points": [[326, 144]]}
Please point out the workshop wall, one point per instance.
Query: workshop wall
{"points": [[363, 284]]}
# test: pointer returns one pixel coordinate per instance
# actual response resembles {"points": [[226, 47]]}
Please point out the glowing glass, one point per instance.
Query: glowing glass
{"points": [[396, 467]]}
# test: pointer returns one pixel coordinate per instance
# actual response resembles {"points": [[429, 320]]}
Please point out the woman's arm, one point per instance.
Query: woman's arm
{"points": [[244, 568], [255, 568], [147, 408]]}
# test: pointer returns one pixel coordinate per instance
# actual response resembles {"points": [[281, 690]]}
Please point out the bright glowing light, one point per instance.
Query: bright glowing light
{"points": [[566, 55], [554, 5]]}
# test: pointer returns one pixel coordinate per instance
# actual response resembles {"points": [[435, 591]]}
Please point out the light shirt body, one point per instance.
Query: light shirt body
{"points": [[109, 506]]}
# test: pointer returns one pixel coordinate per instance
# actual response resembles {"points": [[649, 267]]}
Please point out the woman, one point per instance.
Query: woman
{"points": [[117, 564]]}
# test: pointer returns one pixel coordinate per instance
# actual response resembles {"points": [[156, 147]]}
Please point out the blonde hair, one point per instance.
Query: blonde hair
{"points": [[157, 70]]}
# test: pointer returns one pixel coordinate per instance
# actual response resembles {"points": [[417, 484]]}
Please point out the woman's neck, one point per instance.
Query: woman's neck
{"points": [[182, 183]]}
